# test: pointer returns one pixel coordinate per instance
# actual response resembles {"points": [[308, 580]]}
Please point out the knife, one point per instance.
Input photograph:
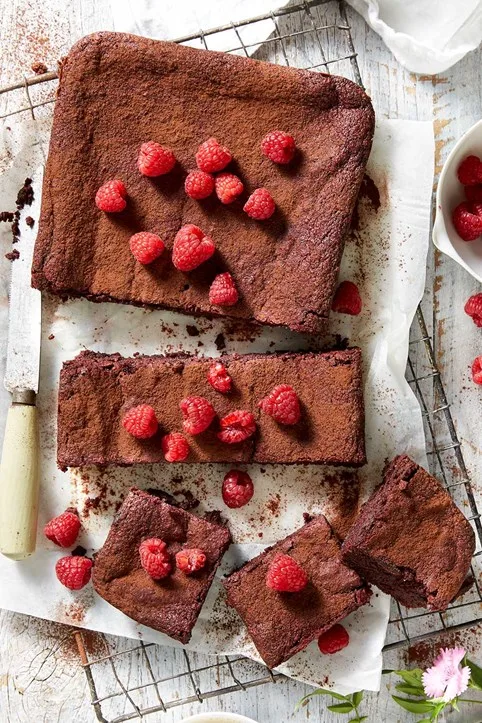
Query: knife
{"points": [[19, 474]]}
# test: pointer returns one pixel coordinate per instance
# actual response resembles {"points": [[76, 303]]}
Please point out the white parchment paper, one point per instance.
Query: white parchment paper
{"points": [[386, 257]]}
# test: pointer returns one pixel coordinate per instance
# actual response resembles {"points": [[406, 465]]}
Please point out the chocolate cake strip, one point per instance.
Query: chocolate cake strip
{"points": [[97, 389]]}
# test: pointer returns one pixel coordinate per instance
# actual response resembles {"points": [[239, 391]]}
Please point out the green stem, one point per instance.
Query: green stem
{"points": [[467, 700]]}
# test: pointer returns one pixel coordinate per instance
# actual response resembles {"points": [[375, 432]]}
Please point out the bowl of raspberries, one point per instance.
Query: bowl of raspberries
{"points": [[457, 229]]}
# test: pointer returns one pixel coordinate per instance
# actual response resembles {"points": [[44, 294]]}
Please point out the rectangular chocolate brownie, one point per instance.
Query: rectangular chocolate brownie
{"points": [[118, 91], [410, 539], [97, 389], [171, 605], [281, 623]]}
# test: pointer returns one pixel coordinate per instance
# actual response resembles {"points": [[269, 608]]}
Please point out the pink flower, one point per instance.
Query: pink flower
{"points": [[446, 679]]}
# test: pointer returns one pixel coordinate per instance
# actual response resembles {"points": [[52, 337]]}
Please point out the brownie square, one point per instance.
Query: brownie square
{"points": [[282, 624], [410, 539], [171, 605], [118, 91], [97, 389]]}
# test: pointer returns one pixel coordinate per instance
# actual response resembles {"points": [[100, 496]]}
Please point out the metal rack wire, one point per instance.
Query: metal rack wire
{"points": [[325, 23]]}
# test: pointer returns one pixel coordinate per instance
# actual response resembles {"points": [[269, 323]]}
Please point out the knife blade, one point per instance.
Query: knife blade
{"points": [[19, 464]]}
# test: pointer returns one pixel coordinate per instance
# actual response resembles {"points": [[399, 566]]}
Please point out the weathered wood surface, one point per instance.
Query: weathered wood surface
{"points": [[40, 675]]}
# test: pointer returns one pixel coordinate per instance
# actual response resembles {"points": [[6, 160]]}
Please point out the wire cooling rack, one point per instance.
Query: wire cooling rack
{"points": [[314, 35]]}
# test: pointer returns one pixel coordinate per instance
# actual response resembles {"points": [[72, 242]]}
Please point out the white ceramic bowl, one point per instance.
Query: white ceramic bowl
{"points": [[218, 718], [450, 192]]}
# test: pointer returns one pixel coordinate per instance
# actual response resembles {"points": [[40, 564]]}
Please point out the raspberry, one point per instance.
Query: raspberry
{"points": [[473, 193], [237, 489], [175, 447], [155, 160], [146, 247], [191, 248], [347, 299], [237, 426], [477, 370], [199, 184], [260, 205], [468, 223], [219, 378], [469, 172], [63, 529], [190, 560], [140, 421], [155, 558], [333, 640], [285, 575], [282, 404], [212, 156], [228, 187], [279, 146], [223, 292], [111, 196], [198, 414], [73, 572], [473, 307]]}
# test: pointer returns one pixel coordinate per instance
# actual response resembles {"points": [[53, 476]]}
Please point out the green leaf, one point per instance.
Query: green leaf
{"points": [[357, 698], [320, 691], [414, 706], [341, 708], [475, 675], [425, 720], [410, 689], [388, 671], [412, 677], [360, 719]]}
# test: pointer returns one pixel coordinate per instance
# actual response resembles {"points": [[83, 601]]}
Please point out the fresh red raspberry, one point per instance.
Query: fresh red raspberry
{"points": [[155, 160], [260, 205], [347, 299], [223, 291], [198, 414], [190, 560], [237, 426], [175, 447], [191, 248], [228, 187], [111, 196], [237, 489], [467, 222], [469, 172], [282, 404], [333, 640], [199, 184], [279, 146], [146, 247], [473, 307], [473, 194], [212, 156], [73, 572], [477, 370], [219, 378], [63, 529], [155, 558], [285, 575], [141, 421]]}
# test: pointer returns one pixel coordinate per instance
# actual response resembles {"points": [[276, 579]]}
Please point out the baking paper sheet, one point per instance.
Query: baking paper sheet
{"points": [[385, 256]]}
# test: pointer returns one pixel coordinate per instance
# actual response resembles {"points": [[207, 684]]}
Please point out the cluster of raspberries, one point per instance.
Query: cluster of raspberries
{"points": [[467, 216], [191, 246], [198, 413]]}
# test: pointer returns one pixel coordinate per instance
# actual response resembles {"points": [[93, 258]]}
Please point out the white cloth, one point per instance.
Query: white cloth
{"points": [[426, 36]]}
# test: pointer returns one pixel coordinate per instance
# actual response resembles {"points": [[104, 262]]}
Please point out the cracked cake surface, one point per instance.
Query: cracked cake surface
{"points": [[116, 92], [97, 389]]}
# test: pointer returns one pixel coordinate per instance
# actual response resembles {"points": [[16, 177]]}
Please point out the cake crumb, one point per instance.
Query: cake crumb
{"points": [[79, 551], [13, 255], [220, 342], [307, 517], [51, 336], [30, 221], [39, 68], [192, 330], [6, 216], [25, 194]]}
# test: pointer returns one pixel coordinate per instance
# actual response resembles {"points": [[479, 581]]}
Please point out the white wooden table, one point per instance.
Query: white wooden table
{"points": [[40, 675]]}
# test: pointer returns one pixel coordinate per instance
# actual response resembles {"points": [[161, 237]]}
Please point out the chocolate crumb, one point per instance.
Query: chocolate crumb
{"points": [[79, 551], [192, 330], [25, 194], [12, 255], [39, 68], [15, 227], [220, 342], [307, 517], [6, 216], [30, 221]]}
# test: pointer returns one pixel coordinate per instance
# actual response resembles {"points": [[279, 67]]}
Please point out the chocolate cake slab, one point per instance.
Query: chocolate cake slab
{"points": [[97, 389], [410, 538], [171, 605], [281, 623], [118, 91]]}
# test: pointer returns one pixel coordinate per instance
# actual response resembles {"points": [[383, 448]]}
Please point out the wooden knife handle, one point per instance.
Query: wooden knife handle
{"points": [[19, 481]]}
